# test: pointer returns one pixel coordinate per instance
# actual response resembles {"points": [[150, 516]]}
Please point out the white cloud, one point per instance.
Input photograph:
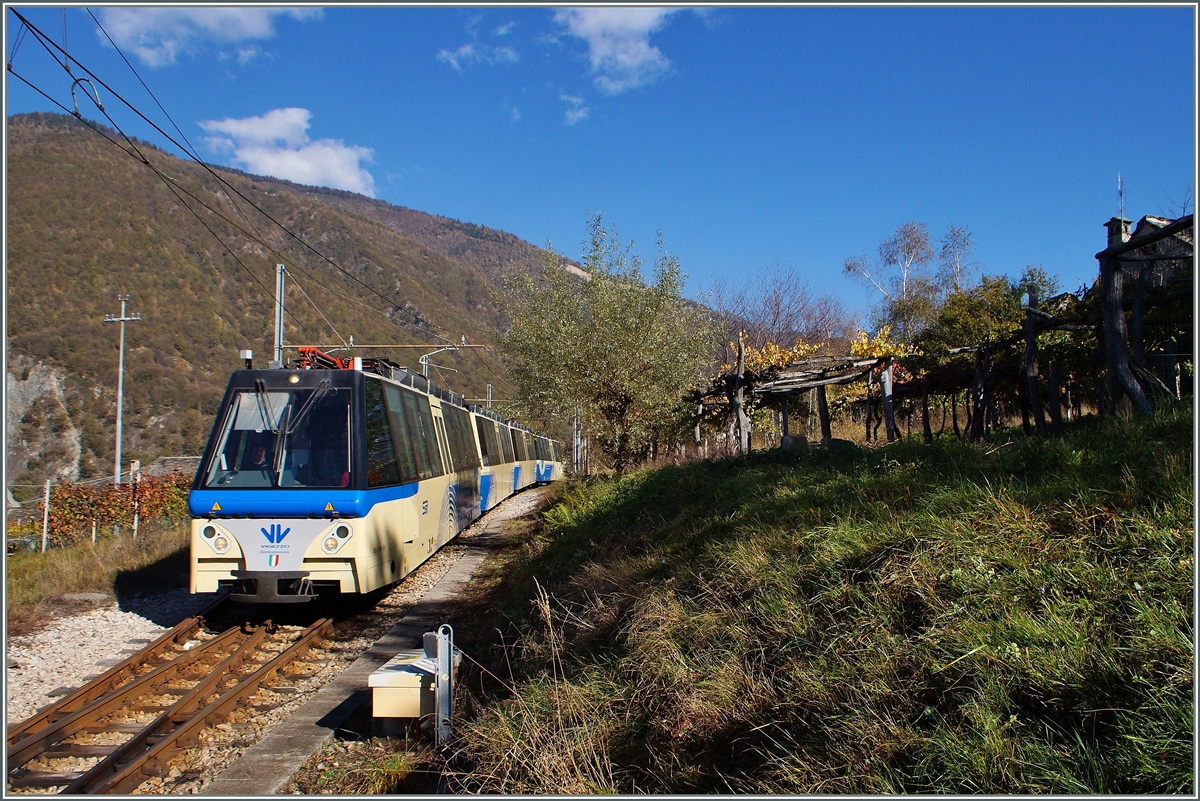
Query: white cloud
{"points": [[476, 52], [618, 40], [157, 36], [277, 144], [576, 111], [247, 54], [472, 53], [454, 58]]}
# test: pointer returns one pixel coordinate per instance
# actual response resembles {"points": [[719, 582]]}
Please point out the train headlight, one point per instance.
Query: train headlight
{"points": [[209, 532], [336, 538], [221, 544]]}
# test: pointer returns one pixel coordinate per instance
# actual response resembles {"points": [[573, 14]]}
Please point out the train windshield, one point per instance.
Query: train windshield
{"points": [[284, 438]]}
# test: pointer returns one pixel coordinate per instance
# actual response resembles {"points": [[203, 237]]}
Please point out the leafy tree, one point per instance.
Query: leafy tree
{"points": [[619, 350], [954, 266], [989, 312], [902, 276]]}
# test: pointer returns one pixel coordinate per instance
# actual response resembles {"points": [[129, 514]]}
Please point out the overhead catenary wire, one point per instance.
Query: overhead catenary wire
{"points": [[62, 15], [47, 43], [135, 152], [192, 153], [20, 37]]}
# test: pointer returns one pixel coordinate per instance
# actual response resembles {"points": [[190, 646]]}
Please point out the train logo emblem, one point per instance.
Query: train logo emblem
{"points": [[276, 534], [273, 560]]}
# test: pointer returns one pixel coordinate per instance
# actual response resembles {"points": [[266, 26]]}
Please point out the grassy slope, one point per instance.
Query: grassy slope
{"points": [[1007, 618]]}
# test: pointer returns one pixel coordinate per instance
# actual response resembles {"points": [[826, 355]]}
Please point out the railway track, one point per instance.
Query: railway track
{"points": [[126, 725]]}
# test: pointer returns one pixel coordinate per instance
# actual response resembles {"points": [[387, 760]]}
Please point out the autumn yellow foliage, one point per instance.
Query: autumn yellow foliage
{"points": [[880, 346], [771, 356]]}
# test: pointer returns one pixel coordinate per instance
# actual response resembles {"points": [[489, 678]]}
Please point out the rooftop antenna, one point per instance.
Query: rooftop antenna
{"points": [[1120, 197]]}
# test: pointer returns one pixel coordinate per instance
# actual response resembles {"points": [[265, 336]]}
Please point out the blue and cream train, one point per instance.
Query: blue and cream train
{"points": [[346, 479]]}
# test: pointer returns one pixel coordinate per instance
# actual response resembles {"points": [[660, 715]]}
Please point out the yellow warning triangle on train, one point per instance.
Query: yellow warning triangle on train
{"points": [[216, 507], [329, 507]]}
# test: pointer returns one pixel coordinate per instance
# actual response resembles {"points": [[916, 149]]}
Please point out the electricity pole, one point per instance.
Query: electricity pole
{"points": [[279, 281], [108, 318]]}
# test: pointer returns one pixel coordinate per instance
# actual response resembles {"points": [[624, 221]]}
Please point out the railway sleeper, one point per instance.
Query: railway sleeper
{"points": [[41, 778], [80, 750], [129, 776], [121, 769], [117, 728]]}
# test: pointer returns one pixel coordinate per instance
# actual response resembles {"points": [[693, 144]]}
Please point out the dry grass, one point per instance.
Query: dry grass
{"points": [[373, 766]]}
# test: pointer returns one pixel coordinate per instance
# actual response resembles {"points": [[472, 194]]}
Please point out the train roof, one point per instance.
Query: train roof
{"points": [[313, 359]]}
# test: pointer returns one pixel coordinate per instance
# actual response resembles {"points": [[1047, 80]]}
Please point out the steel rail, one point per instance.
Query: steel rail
{"points": [[179, 713], [152, 761], [40, 741]]}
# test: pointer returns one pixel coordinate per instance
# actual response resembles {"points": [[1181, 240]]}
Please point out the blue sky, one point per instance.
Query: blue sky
{"points": [[746, 135]]}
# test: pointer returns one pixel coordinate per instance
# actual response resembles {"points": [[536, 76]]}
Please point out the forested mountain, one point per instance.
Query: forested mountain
{"points": [[87, 222]]}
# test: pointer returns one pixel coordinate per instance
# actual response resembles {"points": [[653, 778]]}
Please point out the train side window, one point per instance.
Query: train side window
{"points": [[518, 439], [506, 442], [493, 443], [418, 405], [447, 458], [404, 435], [460, 438], [381, 454], [481, 425]]}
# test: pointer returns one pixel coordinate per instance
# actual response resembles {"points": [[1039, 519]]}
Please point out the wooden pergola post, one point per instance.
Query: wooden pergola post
{"points": [[1121, 382], [889, 414], [823, 411], [1031, 368]]}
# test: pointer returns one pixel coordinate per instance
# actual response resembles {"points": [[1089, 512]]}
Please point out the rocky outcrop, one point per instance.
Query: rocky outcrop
{"points": [[40, 433]]}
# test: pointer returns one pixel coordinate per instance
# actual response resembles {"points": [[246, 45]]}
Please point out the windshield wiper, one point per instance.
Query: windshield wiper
{"points": [[293, 422], [322, 390], [260, 395]]}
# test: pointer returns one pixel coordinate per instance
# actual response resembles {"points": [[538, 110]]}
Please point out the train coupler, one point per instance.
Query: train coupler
{"points": [[271, 587]]}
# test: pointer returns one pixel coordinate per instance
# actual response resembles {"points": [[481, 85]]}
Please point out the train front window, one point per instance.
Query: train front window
{"points": [[296, 438]]}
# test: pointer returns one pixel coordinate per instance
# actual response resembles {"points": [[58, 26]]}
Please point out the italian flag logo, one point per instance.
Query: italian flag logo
{"points": [[273, 560]]}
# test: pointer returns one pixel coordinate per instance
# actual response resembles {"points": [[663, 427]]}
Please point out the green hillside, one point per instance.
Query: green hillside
{"points": [[87, 222]]}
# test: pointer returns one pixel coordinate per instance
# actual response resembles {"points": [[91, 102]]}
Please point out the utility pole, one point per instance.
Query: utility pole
{"points": [[108, 318], [279, 272]]}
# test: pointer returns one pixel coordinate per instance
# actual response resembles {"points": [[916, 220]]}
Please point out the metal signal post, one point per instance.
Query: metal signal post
{"points": [[108, 318]]}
